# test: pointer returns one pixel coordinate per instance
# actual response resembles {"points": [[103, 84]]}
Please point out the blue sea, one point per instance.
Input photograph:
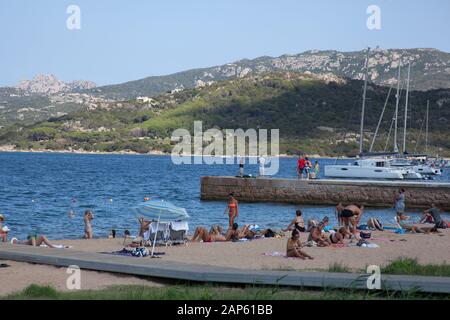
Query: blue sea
{"points": [[37, 190]]}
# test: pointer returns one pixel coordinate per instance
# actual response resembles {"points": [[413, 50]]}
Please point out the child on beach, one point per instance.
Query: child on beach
{"points": [[88, 216]]}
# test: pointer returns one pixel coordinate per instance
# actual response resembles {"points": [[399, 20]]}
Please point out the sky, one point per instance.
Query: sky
{"points": [[120, 41]]}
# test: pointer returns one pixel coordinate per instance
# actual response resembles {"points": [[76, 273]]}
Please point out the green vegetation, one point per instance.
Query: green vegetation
{"points": [[338, 267], [212, 292], [408, 266], [313, 117]]}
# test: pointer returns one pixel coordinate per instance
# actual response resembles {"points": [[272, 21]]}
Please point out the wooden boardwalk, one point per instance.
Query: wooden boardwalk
{"points": [[159, 268]]}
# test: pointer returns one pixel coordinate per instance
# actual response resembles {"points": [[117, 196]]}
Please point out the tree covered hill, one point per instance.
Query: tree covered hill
{"points": [[313, 113]]}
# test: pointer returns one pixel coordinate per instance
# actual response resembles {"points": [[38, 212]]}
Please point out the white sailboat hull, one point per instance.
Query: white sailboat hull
{"points": [[349, 171]]}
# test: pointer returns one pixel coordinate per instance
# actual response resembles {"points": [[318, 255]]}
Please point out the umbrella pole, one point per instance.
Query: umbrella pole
{"points": [[156, 234]]}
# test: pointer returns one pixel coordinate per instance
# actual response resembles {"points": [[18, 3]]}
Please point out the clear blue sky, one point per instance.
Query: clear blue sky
{"points": [[127, 40]]}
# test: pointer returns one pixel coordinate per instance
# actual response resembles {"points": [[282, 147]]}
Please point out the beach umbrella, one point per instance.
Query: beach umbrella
{"points": [[160, 210]]}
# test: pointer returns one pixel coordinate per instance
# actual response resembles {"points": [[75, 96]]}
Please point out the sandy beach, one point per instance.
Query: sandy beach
{"points": [[427, 249]]}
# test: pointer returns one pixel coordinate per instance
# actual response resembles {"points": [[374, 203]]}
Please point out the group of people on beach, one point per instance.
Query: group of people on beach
{"points": [[37, 239]]}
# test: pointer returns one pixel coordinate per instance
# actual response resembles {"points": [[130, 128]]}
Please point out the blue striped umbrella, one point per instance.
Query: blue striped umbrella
{"points": [[160, 210]]}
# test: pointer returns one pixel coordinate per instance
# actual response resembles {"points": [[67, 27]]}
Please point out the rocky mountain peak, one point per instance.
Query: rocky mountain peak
{"points": [[48, 84]]}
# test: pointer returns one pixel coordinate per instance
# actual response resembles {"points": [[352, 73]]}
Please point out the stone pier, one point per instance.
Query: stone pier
{"points": [[326, 192]]}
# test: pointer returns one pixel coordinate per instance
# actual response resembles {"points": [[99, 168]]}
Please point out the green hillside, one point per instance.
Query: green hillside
{"points": [[312, 112]]}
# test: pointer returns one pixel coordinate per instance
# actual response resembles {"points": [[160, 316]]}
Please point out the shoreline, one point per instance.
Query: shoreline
{"points": [[127, 152]]}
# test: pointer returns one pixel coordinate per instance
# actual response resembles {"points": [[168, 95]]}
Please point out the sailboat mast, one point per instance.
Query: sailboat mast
{"points": [[361, 134], [426, 128], [396, 110], [406, 109]]}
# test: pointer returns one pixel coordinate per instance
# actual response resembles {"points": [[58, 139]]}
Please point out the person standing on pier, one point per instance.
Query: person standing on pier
{"points": [[301, 163], [262, 162], [232, 209], [241, 166]]}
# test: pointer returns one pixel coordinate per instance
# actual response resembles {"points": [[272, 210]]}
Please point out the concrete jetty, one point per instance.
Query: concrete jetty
{"points": [[326, 192]]}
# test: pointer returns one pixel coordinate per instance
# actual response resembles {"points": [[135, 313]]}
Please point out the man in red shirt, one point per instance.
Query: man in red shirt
{"points": [[301, 163]]}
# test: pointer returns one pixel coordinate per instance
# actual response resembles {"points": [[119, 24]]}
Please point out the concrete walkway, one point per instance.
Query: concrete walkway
{"points": [[159, 268]]}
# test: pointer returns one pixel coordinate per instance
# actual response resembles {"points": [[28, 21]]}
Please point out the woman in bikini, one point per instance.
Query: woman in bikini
{"points": [[88, 216], [298, 223], [214, 235], [294, 246], [338, 237], [34, 240], [232, 209]]}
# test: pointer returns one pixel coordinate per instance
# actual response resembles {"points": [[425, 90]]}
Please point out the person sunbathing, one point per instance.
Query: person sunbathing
{"points": [[374, 224], [202, 234], [34, 240], [316, 235], [338, 236], [234, 234], [414, 229], [294, 246], [298, 223]]}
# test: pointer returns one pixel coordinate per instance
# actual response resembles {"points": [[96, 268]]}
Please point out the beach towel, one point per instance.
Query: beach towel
{"points": [[128, 253], [56, 246], [275, 254], [179, 226]]}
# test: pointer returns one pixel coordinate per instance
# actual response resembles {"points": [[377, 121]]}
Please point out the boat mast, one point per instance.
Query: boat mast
{"points": [[361, 134], [406, 110], [396, 110], [379, 120], [426, 128]]}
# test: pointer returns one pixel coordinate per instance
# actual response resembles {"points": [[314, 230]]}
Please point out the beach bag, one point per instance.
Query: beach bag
{"points": [[140, 252], [365, 234], [269, 233]]}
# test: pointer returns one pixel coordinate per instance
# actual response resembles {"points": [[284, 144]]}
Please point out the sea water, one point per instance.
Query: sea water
{"points": [[37, 190]]}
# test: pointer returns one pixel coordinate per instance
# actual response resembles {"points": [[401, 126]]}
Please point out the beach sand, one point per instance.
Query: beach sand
{"points": [[426, 249]]}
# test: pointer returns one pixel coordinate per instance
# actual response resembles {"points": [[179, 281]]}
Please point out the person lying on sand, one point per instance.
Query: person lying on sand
{"points": [[298, 223], [294, 246], [214, 235], [338, 236], [318, 236], [414, 229], [234, 234], [374, 224], [34, 240]]}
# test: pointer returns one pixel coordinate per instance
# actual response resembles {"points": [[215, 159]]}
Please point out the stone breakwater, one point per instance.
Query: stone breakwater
{"points": [[326, 192]]}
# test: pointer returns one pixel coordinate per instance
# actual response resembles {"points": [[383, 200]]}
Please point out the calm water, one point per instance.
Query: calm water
{"points": [[37, 190]]}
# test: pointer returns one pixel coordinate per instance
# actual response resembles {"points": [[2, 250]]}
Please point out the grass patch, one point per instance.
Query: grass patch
{"points": [[212, 292], [409, 266], [339, 268]]}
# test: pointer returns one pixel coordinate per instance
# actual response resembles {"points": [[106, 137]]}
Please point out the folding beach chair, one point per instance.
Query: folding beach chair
{"points": [[178, 231], [162, 234]]}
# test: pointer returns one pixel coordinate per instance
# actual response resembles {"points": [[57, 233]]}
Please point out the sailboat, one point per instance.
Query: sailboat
{"points": [[365, 168]]}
